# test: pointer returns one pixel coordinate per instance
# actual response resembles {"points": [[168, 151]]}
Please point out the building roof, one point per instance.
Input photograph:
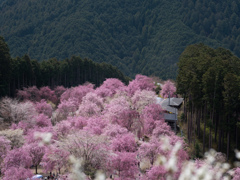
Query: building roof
{"points": [[170, 104], [159, 100], [170, 117], [165, 105], [176, 102]]}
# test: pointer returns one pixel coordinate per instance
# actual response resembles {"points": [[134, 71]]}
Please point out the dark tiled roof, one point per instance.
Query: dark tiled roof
{"points": [[170, 105], [176, 101], [170, 117]]}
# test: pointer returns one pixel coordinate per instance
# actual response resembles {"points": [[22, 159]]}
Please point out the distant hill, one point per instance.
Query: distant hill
{"points": [[137, 36]]}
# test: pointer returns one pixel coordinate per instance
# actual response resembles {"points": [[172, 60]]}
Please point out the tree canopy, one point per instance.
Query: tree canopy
{"points": [[139, 37], [209, 80], [23, 72]]}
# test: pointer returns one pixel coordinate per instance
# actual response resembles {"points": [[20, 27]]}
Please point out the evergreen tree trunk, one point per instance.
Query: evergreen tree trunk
{"points": [[9, 89], [228, 144], [222, 144], [216, 130], [210, 132], [189, 129], [198, 122], [219, 140], [204, 131], [184, 109], [236, 137], [193, 125]]}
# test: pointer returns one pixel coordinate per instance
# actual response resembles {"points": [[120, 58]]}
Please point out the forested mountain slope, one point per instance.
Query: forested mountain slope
{"points": [[22, 72], [137, 36]]}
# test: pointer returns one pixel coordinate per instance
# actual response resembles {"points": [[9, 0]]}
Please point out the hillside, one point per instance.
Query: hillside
{"points": [[19, 73], [110, 132], [137, 36]]}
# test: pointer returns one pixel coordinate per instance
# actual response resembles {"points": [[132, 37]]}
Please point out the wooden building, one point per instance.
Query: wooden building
{"points": [[170, 107]]}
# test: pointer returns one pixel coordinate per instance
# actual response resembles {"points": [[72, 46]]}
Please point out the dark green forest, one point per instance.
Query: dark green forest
{"points": [[219, 20], [137, 36], [209, 81], [19, 72]]}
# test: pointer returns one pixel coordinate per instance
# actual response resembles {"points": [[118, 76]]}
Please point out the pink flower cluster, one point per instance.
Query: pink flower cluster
{"points": [[115, 128]]}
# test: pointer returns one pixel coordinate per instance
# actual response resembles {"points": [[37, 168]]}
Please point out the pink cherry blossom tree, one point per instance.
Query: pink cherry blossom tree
{"points": [[119, 111], [113, 110], [36, 153], [43, 121], [91, 105], [77, 122], [149, 125], [110, 87], [47, 94], [113, 130], [19, 173], [44, 107], [24, 125], [62, 128], [150, 115], [77, 92], [15, 137], [6, 105], [140, 82], [236, 174], [23, 112], [129, 119], [31, 93], [168, 89], [149, 150], [153, 111], [58, 91], [124, 143], [156, 172], [95, 125], [124, 165], [55, 158], [89, 109], [143, 98], [93, 149], [162, 129], [24, 95], [39, 121], [94, 98], [17, 158], [12, 111], [67, 107], [31, 137], [35, 95]]}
